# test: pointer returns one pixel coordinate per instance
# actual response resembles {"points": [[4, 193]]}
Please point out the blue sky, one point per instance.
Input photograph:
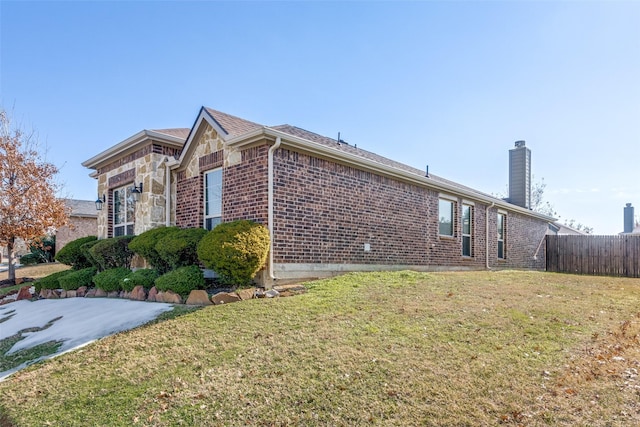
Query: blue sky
{"points": [[451, 85]]}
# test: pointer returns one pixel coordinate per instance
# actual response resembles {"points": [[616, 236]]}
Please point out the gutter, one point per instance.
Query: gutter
{"points": [[486, 238], [272, 149], [360, 162]]}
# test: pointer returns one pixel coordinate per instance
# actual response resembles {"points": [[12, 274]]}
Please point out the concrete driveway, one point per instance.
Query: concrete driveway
{"points": [[73, 321]]}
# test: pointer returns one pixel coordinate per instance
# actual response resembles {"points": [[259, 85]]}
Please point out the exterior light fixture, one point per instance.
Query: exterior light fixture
{"points": [[136, 191], [100, 202]]}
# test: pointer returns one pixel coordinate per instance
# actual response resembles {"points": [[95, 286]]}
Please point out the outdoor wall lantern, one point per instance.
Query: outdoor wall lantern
{"points": [[136, 191], [100, 202]]}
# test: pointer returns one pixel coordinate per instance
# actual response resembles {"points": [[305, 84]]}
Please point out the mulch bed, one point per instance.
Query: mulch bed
{"points": [[8, 282]]}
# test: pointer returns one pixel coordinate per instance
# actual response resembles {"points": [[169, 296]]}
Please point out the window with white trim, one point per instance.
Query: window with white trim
{"points": [[123, 211], [502, 231], [212, 198], [445, 217], [467, 230]]}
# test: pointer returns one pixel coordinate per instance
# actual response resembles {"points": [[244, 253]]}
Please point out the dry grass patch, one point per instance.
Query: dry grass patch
{"points": [[480, 348], [36, 271]]}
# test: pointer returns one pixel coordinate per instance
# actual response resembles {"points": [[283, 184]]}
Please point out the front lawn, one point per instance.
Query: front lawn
{"points": [[405, 348]]}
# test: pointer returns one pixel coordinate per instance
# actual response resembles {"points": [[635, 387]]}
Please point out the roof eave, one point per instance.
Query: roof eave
{"points": [[131, 144], [350, 159]]}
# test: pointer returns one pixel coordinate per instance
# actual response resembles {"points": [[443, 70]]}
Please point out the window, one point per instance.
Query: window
{"points": [[123, 214], [467, 228], [502, 222], [445, 215], [212, 198]]}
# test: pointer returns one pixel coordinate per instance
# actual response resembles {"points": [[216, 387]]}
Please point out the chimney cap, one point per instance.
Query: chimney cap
{"points": [[520, 143], [628, 205]]}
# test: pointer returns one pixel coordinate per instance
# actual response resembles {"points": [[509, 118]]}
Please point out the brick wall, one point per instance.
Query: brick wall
{"points": [[78, 227], [245, 187], [325, 213], [189, 201]]}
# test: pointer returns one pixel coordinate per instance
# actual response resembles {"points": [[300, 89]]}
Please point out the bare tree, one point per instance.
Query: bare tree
{"points": [[29, 207]]}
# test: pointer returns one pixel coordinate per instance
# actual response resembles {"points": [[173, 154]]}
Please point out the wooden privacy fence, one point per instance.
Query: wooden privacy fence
{"points": [[595, 255]]}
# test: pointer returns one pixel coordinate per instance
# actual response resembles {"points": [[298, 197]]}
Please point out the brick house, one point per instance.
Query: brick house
{"points": [[82, 222], [330, 207]]}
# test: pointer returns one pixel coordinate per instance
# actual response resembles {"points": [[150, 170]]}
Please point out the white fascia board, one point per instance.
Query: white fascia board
{"points": [[379, 168], [131, 144], [203, 116]]}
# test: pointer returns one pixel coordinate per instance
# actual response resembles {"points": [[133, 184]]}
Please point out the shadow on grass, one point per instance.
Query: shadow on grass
{"points": [[5, 421]]}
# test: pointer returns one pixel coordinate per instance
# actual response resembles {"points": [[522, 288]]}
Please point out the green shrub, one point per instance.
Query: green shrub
{"points": [[143, 277], [181, 281], [30, 259], [235, 250], [179, 248], [86, 251], [112, 253], [51, 281], [71, 254], [77, 278], [145, 246], [109, 280]]}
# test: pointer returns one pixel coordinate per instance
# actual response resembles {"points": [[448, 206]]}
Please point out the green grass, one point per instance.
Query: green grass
{"points": [[480, 348], [7, 289]]}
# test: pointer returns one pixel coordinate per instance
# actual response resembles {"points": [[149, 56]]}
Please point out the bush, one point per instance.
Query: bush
{"points": [[30, 259], [86, 251], [109, 280], [179, 248], [51, 281], [77, 278], [143, 277], [235, 250], [72, 255], [112, 253], [181, 281], [145, 246]]}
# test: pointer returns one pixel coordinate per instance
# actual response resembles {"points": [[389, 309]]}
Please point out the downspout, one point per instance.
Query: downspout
{"points": [[169, 164], [486, 240], [272, 149]]}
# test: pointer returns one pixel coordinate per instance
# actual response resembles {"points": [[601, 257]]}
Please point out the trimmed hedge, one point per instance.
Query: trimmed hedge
{"points": [[72, 255], [86, 251], [181, 281], [30, 259], [112, 253], [145, 246], [143, 277], [77, 278], [51, 281], [235, 250], [179, 248], [110, 280]]}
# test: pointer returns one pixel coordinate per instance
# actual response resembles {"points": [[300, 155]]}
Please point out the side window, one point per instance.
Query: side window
{"points": [[502, 230], [123, 211], [467, 230], [445, 217], [212, 198]]}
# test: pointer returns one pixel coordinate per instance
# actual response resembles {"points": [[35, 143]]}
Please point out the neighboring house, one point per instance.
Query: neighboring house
{"points": [[83, 221], [564, 230], [330, 207]]}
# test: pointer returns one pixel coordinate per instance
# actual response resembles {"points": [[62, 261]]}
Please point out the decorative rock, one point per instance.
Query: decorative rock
{"points": [[246, 294], [19, 280], [91, 293], [100, 293], [71, 294], [52, 294], [43, 293], [225, 298], [172, 298], [198, 297], [25, 293], [290, 290], [138, 293], [153, 292], [63, 294], [113, 294], [271, 293], [81, 291]]}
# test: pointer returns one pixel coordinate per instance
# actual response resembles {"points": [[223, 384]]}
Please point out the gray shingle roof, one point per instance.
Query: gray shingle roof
{"points": [[85, 208], [232, 125], [182, 133]]}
